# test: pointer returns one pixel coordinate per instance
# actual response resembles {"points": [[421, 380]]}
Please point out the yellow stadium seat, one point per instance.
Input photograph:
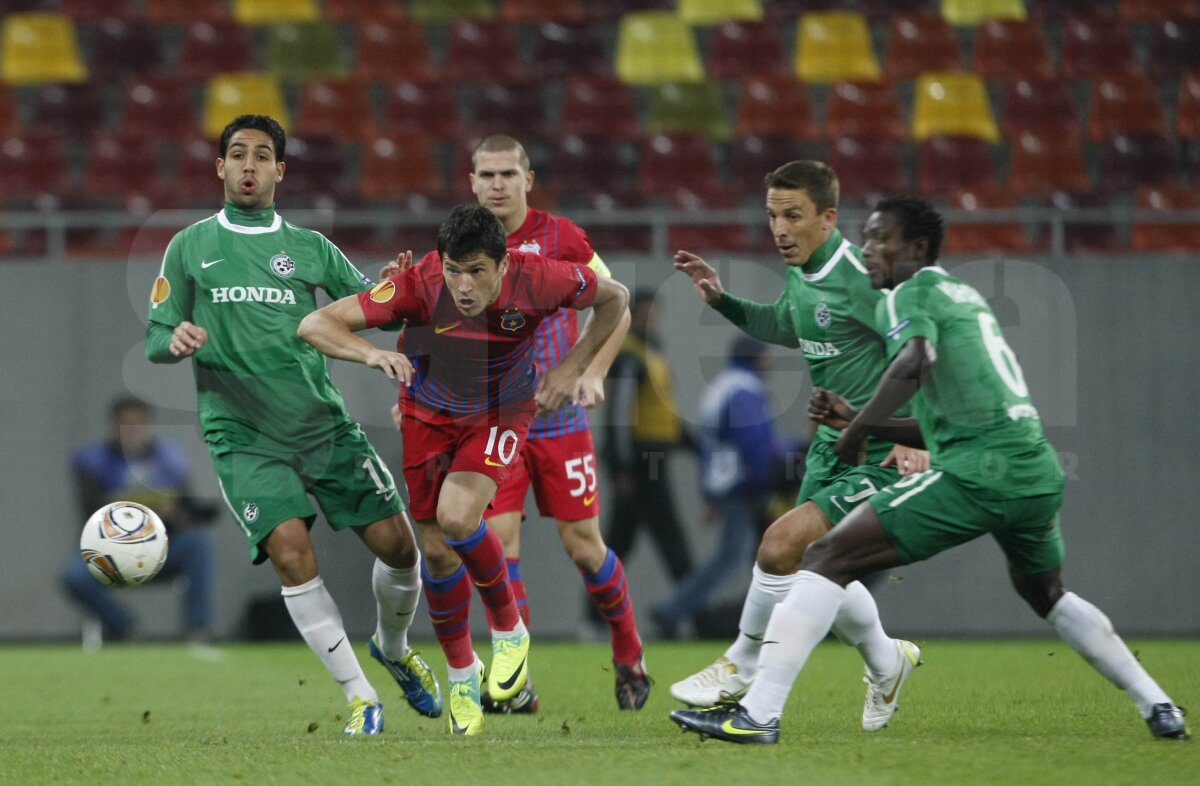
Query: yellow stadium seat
{"points": [[714, 12], [969, 13], [692, 108], [230, 95], [953, 103], [657, 47], [309, 50], [835, 46], [443, 12], [40, 48], [265, 12]]}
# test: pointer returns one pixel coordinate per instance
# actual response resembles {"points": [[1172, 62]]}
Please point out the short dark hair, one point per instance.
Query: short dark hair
{"points": [[815, 177], [917, 219], [472, 229], [268, 125], [642, 297], [501, 143], [128, 404]]}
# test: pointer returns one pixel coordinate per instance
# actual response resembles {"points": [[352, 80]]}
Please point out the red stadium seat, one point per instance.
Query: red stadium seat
{"points": [[482, 52], [755, 155], [196, 182], [34, 166], [72, 109], [671, 162], [1175, 45], [1008, 50], [867, 167], [514, 108], [963, 237], [120, 47], [864, 109], [1125, 104], [363, 11], [211, 48], [610, 10], [596, 104], [1187, 112], [1097, 44], [1044, 106], [392, 50], [706, 237], [159, 106], [1150, 236], [561, 49], [186, 11], [739, 50], [318, 172], [920, 42], [535, 11], [9, 120], [1044, 162], [1080, 237], [775, 105], [1157, 10], [337, 108], [421, 107], [110, 181], [946, 164], [91, 11], [1131, 160], [581, 165], [398, 165]]}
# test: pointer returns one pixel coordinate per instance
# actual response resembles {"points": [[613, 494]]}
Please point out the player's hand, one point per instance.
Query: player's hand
{"points": [[590, 391], [393, 364], [397, 416], [908, 461], [704, 277], [555, 389], [830, 409], [186, 338], [397, 266], [851, 447]]}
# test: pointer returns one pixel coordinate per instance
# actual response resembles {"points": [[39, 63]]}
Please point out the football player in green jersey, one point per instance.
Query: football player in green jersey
{"points": [[993, 472], [827, 309], [231, 292]]}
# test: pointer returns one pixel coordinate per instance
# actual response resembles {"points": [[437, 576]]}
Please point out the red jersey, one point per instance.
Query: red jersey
{"points": [[472, 365], [555, 237]]}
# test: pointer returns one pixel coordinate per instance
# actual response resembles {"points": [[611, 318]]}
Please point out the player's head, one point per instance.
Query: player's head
{"points": [[643, 313], [129, 425], [802, 205], [749, 352], [251, 162], [501, 178], [902, 235], [474, 256]]}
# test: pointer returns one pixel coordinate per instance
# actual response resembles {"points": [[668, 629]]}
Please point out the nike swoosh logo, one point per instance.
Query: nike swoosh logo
{"points": [[589, 500], [439, 329], [729, 728], [339, 643], [506, 684], [454, 727], [210, 264], [491, 463]]}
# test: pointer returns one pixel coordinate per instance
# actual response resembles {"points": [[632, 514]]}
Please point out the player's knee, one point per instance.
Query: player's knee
{"points": [[820, 557], [783, 547]]}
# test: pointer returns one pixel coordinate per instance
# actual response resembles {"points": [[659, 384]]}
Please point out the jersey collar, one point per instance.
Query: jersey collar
{"points": [[825, 258], [249, 222]]}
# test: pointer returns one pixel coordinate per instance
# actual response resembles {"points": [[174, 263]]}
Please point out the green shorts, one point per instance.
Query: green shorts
{"points": [[837, 488], [265, 488], [930, 512]]}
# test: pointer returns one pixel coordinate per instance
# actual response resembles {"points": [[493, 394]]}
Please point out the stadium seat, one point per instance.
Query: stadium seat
{"points": [[969, 13], [964, 237], [393, 50], [1177, 237], [363, 11], [582, 164], [709, 236], [538, 11], [318, 172], [1043, 105], [335, 108], [1175, 45], [738, 50], [482, 52], [917, 43], [775, 105], [91, 11], [1008, 50], [1096, 44], [211, 48], [867, 167], [688, 108], [395, 165], [754, 155], [417, 106], [946, 164], [1131, 160], [1091, 236], [40, 47], [864, 109], [835, 46], [110, 181], [514, 108], [655, 48], [186, 11], [196, 181], [561, 49], [298, 51], [611, 10], [714, 12], [34, 165], [9, 119], [953, 103], [1187, 109], [670, 162], [1126, 104], [1157, 10], [119, 47], [159, 106], [75, 110], [600, 105], [444, 12], [230, 95], [269, 12], [1044, 162]]}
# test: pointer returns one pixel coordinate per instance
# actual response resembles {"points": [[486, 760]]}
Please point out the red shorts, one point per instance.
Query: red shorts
{"points": [[563, 473], [490, 446]]}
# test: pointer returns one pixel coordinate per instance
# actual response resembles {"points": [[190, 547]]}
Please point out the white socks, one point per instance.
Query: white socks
{"points": [[1091, 634], [397, 592], [797, 626], [766, 590], [316, 617], [857, 624]]}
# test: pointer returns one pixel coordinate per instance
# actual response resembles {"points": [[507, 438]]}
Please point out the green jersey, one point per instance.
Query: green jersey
{"points": [[827, 309], [974, 409], [248, 278]]}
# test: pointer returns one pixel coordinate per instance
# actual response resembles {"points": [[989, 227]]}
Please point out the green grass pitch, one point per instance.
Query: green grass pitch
{"points": [[977, 712]]}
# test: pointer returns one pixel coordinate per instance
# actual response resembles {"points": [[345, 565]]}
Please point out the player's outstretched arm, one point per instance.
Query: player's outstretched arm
{"points": [[560, 384], [898, 385], [769, 322], [331, 330]]}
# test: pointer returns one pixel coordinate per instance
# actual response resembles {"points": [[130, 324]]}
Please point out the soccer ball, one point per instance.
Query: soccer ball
{"points": [[124, 544]]}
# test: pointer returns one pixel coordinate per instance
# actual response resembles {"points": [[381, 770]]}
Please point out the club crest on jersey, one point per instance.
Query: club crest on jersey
{"points": [[531, 246], [250, 512], [383, 291], [512, 320], [160, 292], [823, 315], [282, 265]]}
